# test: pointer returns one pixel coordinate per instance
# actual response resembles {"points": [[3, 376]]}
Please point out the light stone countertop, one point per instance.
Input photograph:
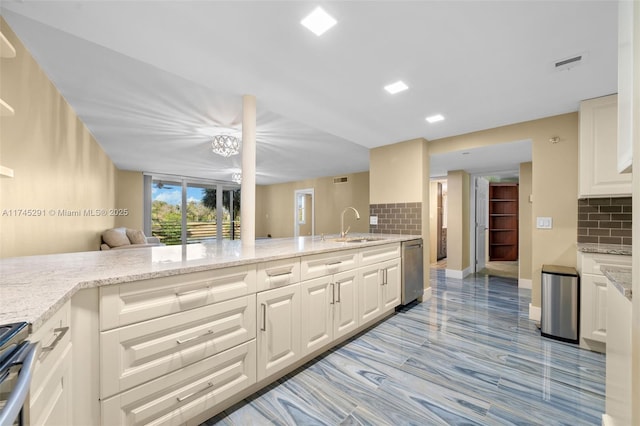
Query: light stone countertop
{"points": [[620, 277], [33, 288], [624, 250]]}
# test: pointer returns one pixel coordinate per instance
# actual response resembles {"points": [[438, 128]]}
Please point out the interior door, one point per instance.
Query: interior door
{"points": [[482, 210]]}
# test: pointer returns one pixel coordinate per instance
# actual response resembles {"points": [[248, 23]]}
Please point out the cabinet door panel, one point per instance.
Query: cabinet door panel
{"points": [[599, 306], [392, 290], [279, 334], [370, 294], [345, 318], [175, 398], [318, 299], [144, 351], [143, 300]]}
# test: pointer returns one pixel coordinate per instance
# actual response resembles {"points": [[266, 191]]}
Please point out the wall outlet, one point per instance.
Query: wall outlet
{"points": [[544, 223], [373, 220]]}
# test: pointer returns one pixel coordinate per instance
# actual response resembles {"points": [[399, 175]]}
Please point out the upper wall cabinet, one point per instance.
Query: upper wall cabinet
{"points": [[598, 161], [626, 82]]}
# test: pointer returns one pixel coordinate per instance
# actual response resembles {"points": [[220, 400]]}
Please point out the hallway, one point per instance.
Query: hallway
{"points": [[468, 356]]}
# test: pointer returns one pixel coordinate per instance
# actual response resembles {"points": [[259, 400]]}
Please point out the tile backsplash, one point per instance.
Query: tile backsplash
{"points": [[604, 220], [397, 218]]}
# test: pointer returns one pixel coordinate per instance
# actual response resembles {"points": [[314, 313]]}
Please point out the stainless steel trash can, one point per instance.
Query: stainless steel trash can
{"points": [[560, 303]]}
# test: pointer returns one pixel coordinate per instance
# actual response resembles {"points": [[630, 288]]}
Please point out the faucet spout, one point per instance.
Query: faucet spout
{"points": [[343, 233]]}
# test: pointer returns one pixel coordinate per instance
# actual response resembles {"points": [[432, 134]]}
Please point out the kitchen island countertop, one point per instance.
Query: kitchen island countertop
{"points": [[620, 277], [33, 288]]}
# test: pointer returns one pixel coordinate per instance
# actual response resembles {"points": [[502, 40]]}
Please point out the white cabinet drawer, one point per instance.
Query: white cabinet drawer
{"points": [[176, 397], [278, 273], [590, 263], [375, 254], [144, 351], [143, 300], [320, 265]]}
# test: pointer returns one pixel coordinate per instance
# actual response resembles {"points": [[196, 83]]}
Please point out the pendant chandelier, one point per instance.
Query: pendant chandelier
{"points": [[225, 145]]}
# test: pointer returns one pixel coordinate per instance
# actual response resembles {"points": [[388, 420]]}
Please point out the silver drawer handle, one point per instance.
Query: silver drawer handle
{"points": [[180, 341], [264, 317], [182, 398], [184, 293], [338, 299], [334, 263], [333, 293], [62, 331], [279, 275]]}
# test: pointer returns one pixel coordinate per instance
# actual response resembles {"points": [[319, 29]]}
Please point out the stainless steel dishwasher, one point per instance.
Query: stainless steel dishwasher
{"points": [[412, 270]]}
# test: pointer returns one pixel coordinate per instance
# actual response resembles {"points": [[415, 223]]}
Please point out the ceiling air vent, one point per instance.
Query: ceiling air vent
{"points": [[570, 62], [341, 179]]}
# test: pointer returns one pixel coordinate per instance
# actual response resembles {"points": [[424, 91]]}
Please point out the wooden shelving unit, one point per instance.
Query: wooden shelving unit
{"points": [[503, 222]]}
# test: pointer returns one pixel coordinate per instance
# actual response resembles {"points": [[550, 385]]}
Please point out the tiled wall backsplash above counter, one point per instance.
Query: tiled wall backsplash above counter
{"points": [[397, 218], [604, 220]]}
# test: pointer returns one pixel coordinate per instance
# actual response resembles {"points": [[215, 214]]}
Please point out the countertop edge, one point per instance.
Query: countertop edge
{"points": [[48, 303], [620, 277]]}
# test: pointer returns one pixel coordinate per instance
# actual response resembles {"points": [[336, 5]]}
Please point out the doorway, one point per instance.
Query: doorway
{"points": [[495, 225], [304, 213]]}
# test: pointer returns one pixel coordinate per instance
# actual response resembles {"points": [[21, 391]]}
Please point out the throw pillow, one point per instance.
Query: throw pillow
{"points": [[136, 236], [115, 237]]}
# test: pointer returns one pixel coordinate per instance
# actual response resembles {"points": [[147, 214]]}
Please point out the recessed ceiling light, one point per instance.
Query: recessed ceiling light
{"points": [[435, 118], [318, 21], [396, 87]]}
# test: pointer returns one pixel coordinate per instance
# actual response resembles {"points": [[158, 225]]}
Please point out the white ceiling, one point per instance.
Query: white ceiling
{"points": [[146, 77]]}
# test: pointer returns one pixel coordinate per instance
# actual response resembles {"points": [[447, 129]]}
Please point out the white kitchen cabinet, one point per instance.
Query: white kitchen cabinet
{"points": [[278, 335], [174, 398], [140, 352], [626, 83], [329, 309], [50, 394], [598, 158], [380, 278], [379, 289], [594, 298], [278, 273], [143, 300], [618, 369]]}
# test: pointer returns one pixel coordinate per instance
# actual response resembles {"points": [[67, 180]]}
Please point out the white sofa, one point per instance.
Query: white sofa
{"points": [[126, 238]]}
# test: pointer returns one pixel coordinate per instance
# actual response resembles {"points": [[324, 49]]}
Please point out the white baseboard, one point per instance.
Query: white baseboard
{"points": [[535, 313], [454, 273], [426, 294], [524, 283]]}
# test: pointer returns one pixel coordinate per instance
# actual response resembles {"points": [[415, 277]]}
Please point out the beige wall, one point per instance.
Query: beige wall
{"points": [[458, 229], [58, 166], [554, 183], [399, 173], [130, 196], [525, 224], [275, 205]]}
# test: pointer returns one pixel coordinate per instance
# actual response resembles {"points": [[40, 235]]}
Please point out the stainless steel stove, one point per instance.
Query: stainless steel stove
{"points": [[17, 358]]}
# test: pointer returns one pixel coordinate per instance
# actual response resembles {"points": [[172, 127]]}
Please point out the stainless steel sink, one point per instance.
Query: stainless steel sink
{"points": [[357, 239]]}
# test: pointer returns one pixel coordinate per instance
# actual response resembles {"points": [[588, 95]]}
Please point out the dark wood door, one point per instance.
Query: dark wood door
{"points": [[503, 221]]}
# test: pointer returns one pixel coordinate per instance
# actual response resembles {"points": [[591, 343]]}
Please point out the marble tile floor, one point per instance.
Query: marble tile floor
{"points": [[469, 356]]}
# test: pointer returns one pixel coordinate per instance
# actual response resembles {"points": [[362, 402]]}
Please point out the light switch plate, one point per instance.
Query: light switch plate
{"points": [[544, 223], [373, 220]]}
